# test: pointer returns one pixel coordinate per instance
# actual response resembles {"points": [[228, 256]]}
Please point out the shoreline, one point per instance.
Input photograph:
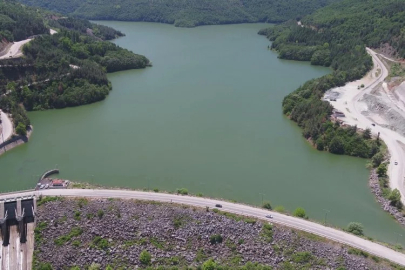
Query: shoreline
{"points": [[15, 141], [375, 187]]}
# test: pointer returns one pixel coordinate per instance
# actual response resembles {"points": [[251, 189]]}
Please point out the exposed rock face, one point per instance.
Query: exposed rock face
{"points": [[114, 232], [385, 203]]}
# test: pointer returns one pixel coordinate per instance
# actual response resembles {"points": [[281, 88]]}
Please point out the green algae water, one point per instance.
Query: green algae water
{"points": [[207, 117]]}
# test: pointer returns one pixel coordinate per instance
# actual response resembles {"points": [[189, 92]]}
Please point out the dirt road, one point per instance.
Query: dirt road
{"points": [[15, 50], [7, 127]]}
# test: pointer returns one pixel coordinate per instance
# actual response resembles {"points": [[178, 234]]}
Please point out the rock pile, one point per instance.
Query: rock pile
{"points": [[115, 232], [385, 203]]}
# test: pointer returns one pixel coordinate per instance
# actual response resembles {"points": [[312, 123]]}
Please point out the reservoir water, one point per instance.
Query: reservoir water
{"points": [[207, 117]]}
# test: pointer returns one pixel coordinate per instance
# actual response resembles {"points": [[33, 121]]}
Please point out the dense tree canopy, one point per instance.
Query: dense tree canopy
{"points": [[18, 22], [61, 70], [185, 13]]}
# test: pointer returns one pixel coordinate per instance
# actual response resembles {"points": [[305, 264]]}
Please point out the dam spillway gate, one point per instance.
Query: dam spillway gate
{"points": [[16, 212]]}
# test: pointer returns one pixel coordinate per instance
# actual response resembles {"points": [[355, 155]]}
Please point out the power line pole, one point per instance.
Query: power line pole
{"points": [[396, 242], [262, 197], [326, 215]]}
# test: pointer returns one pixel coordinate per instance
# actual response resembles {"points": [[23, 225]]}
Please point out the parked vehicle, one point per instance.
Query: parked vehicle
{"points": [[218, 205]]}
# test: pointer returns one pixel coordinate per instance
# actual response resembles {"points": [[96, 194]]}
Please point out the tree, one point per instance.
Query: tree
{"points": [[215, 239], [395, 198], [145, 258], [21, 129], [267, 205], [382, 170], [209, 265], [320, 145], [355, 228], [367, 134], [299, 212], [336, 146]]}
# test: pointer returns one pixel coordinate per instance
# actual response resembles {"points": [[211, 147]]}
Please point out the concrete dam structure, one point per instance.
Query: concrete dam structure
{"points": [[17, 223]]}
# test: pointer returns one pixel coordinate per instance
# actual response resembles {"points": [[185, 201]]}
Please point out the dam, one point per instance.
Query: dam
{"points": [[17, 223]]}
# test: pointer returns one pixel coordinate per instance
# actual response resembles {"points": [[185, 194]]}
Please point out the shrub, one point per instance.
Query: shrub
{"points": [[382, 170], [94, 266], [267, 232], [42, 200], [209, 265], [300, 212], [377, 159], [358, 252], [267, 205], [355, 228], [178, 222], [100, 213], [76, 243], [302, 257], [45, 266], [76, 231], [145, 258], [182, 191], [21, 129], [82, 202], [395, 198], [279, 209], [100, 242], [77, 215], [216, 239], [156, 190]]}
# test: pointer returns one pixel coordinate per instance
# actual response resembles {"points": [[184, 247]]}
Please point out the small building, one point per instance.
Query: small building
{"points": [[57, 183]]}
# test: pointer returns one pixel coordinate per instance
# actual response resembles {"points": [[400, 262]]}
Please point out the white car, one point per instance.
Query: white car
{"points": [[269, 216], [46, 186], [41, 186]]}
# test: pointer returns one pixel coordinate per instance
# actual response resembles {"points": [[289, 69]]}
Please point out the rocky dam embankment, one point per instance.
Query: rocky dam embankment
{"points": [[121, 234]]}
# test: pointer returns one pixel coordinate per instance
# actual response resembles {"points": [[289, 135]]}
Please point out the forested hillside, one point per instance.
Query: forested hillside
{"points": [[61, 70], [185, 13], [336, 36], [18, 22]]}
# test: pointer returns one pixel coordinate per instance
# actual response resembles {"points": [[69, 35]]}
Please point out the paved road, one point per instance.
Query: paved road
{"points": [[315, 228], [7, 127], [393, 140], [15, 50]]}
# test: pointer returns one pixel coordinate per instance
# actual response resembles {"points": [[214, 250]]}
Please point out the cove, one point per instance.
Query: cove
{"points": [[207, 117]]}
